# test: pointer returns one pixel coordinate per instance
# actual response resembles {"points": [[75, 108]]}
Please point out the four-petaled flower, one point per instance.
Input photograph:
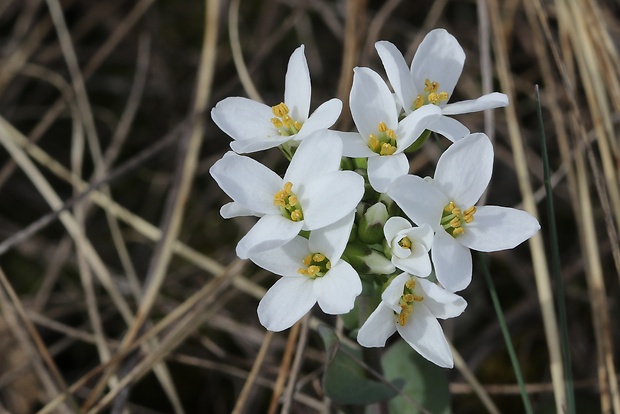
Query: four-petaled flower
{"points": [[435, 69], [409, 245], [313, 193], [312, 271], [446, 203], [382, 138], [255, 126], [411, 306]]}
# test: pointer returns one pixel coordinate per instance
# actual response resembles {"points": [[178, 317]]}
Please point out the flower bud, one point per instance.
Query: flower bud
{"points": [[370, 229], [367, 260]]}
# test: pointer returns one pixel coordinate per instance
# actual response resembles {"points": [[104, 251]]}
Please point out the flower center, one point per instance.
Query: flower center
{"points": [[431, 95], [405, 243], [283, 122], [316, 265], [406, 302], [453, 219], [384, 142], [288, 203]]}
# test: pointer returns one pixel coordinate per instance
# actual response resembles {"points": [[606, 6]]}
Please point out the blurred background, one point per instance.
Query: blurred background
{"points": [[120, 288]]}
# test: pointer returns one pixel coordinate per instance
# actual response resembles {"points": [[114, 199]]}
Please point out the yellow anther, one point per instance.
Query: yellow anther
{"points": [[307, 260], [470, 211], [408, 297], [318, 257], [279, 199], [297, 125], [455, 222], [449, 207], [280, 110], [328, 265], [373, 143], [288, 187], [456, 211], [443, 96], [387, 149], [417, 298], [292, 200], [313, 270], [390, 133], [382, 127], [303, 271], [277, 122], [297, 215], [405, 243], [427, 85], [458, 231], [418, 102], [410, 284], [433, 98]]}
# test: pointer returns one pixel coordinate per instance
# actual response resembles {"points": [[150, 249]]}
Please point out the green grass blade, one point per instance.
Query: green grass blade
{"points": [[555, 266], [502, 323]]}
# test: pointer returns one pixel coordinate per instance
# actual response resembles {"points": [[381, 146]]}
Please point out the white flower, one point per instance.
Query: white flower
{"points": [[313, 193], [382, 138], [312, 272], [446, 203], [255, 126], [411, 306], [409, 245], [435, 69]]}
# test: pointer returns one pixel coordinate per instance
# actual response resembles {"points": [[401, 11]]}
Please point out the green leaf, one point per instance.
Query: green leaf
{"points": [[344, 380], [425, 383]]}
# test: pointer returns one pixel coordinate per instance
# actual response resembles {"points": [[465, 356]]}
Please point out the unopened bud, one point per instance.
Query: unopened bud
{"points": [[370, 229], [367, 260]]}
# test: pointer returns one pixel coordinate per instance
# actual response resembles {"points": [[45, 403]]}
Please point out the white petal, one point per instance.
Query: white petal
{"points": [[234, 209], [248, 122], [337, 290], [329, 197], [354, 145], [332, 240], [439, 58], [288, 300], [393, 226], [324, 117], [423, 234], [297, 88], [268, 233], [247, 182], [285, 260], [414, 124], [379, 326], [418, 262], [391, 295], [449, 128], [452, 261], [498, 228], [371, 102], [247, 146], [424, 334], [398, 73], [442, 303], [488, 101], [464, 170], [317, 154], [420, 200], [383, 170]]}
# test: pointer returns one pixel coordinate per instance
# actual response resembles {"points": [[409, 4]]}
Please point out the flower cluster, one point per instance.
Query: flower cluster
{"points": [[347, 207]]}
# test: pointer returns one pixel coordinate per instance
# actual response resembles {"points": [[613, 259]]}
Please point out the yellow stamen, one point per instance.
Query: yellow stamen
{"points": [[318, 257], [418, 102], [382, 127], [373, 143], [307, 260], [410, 284], [280, 110], [292, 200], [390, 133], [297, 215], [387, 149], [405, 243], [443, 96], [449, 207], [433, 98], [277, 122], [458, 231]]}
